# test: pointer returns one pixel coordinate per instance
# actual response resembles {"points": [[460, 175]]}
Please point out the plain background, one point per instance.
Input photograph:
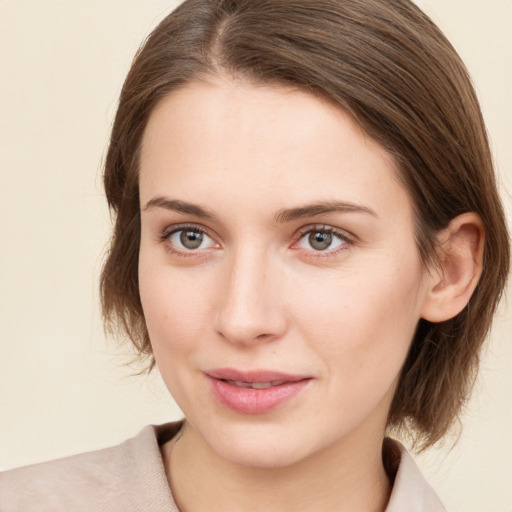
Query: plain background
{"points": [[64, 388]]}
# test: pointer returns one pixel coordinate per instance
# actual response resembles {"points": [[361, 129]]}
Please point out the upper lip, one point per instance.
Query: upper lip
{"points": [[253, 376]]}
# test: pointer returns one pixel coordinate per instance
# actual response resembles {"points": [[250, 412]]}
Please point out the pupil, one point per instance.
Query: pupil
{"points": [[320, 241], [191, 239]]}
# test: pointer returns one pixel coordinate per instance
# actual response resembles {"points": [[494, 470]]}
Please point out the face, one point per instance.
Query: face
{"points": [[278, 271]]}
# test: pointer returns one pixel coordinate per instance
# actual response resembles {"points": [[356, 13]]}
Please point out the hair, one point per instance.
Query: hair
{"points": [[389, 65]]}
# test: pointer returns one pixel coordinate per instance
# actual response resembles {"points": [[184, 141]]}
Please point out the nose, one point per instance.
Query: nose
{"points": [[249, 305]]}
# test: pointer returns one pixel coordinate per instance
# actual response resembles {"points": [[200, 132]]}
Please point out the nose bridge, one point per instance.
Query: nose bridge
{"points": [[248, 304]]}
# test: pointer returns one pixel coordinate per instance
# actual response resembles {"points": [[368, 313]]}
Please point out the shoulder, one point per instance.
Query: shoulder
{"points": [[128, 477], [411, 491]]}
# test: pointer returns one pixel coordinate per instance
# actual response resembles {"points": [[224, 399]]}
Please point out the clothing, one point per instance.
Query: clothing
{"points": [[131, 477]]}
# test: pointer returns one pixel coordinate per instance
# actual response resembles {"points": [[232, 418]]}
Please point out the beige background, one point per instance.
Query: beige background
{"points": [[63, 387]]}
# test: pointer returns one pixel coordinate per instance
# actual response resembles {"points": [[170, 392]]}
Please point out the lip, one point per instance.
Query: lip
{"points": [[247, 400]]}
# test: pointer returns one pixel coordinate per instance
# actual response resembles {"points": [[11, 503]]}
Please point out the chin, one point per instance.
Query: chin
{"points": [[259, 445]]}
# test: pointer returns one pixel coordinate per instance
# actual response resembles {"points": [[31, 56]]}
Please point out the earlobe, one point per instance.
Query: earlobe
{"points": [[460, 259]]}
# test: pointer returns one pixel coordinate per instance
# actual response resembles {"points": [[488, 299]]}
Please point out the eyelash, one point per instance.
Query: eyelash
{"points": [[342, 236]]}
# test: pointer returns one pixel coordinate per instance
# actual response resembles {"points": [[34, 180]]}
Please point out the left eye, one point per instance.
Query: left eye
{"points": [[321, 240], [190, 239]]}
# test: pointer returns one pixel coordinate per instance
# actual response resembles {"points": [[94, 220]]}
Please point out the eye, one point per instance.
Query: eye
{"points": [[188, 239], [322, 239]]}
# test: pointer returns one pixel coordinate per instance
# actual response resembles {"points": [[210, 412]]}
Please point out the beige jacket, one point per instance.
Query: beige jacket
{"points": [[130, 477]]}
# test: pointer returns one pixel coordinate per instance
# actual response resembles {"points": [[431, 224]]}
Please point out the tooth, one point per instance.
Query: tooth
{"points": [[261, 385], [240, 384], [255, 385]]}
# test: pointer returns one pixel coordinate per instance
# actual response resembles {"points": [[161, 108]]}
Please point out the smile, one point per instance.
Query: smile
{"points": [[254, 392]]}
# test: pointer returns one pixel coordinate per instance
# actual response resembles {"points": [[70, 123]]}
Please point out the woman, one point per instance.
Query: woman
{"points": [[310, 246]]}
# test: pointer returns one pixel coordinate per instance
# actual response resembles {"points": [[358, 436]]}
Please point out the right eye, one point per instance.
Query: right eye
{"points": [[188, 239]]}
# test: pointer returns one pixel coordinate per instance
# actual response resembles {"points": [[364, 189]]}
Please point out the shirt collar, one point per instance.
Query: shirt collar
{"points": [[410, 492]]}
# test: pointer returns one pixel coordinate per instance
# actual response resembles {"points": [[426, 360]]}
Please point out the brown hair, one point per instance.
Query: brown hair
{"points": [[387, 64]]}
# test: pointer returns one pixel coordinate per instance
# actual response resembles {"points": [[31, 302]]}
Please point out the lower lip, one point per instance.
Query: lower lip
{"points": [[255, 401]]}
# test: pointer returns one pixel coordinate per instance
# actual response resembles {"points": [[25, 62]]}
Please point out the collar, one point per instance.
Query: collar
{"points": [[410, 492]]}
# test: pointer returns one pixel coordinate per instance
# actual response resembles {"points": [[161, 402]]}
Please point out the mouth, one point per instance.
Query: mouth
{"points": [[242, 377], [255, 392]]}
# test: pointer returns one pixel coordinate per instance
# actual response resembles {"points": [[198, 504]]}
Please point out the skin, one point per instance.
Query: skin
{"points": [[257, 295]]}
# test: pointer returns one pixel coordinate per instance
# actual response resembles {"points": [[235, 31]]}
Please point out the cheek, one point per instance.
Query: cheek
{"points": [[363, 322], [173, 307]]}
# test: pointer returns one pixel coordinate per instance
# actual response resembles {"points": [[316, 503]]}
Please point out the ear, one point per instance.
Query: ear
{"points": [[460, 259]]}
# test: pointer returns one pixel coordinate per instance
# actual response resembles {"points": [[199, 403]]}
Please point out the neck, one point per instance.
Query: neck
{"points": [[346, 477]]}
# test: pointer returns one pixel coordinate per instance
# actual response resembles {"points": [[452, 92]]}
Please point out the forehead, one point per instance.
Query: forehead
{"points": [[232, 139]]}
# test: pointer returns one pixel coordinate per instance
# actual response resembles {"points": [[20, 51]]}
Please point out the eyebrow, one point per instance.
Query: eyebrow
{"points": [[322, 208], [282, 216], [178, 206]]}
